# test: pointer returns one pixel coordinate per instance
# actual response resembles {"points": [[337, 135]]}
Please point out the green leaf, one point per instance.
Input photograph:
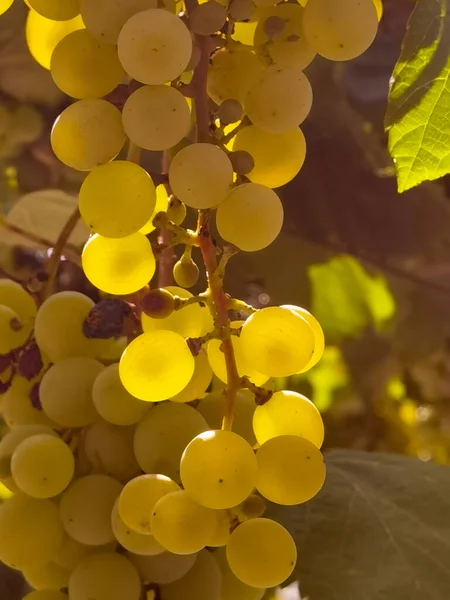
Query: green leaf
{"points": [[378, 530], [346, 299], [419, 102]]}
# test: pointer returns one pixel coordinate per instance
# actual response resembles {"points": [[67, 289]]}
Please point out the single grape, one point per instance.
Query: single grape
{"points": [[15, 297], [201, 582], [162, 205], [185, 272], [241, 10], [221, 533], [273, 27], [243, 162], [47, 577], [207, 18], [379, 8], [57, 10], [141, 545], [5, 5], [17, 408], [176, 211], [163, 568], [199, 382], [230, 111], [233, 588], [261, 553], [253, 507], [12, 333], [319, 338], [158, 303]]}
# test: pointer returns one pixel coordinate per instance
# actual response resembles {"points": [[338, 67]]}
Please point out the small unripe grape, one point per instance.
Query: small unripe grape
{"points": [[158, 303], [241, 10], [274, 27], [185, 273], [207, 18], [230, 111], [176, 211], [242, 162], [252, 508]]}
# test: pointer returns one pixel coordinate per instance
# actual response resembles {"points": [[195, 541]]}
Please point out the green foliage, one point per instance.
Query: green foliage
{"points": [[419, 103]]}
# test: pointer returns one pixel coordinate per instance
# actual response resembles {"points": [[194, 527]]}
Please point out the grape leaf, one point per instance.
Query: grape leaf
{"points": [[378, 530], [417, 117]]}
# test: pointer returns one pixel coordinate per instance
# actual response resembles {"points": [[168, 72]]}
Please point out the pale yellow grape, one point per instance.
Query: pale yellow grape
{"points": [[319, 338], [218, 469], [231, 74], [155, 46], [66, 391], [88, 133], [221, 533], [261, 553], [12, 333], [201, 582], [70, 553], [241, 10], [379, 8], [5, 5], [158, 452], [105, 576], [15, 297], [156, 117], [277, 341], [42, 466], [288, 413], [162, 204], [340, 31], [250, 217], [212, 407], [31, 531], [47, 577], [181, 525], [118, 266], [105, 19], [86, 506], [140, 544], [291, 470], [109, 449], [17, 408], [253, 507], [199, 382], [57, 10], [278, 157], [231, 587], [114, 351], [207, 18], [201, 175], [112, 400], [190, 321], [59, 327], [156, 366], [46, 595], [43, 35], [163, 568]]}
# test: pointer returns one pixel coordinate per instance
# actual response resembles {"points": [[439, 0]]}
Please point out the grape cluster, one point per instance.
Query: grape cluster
{"points": [[143, 462]]}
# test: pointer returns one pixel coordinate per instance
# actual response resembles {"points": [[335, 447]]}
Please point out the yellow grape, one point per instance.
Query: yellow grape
{"points": [[157, 452], [231, 587], [379, 8], [290, 470], [254, 506], [221, 533], [250, 217], [278, 157], [190, 321], [288, 413], [163, 568], [42, 466], [86, 506], [109, 449], [118, 266], [105, 576], [59, 327], [201, 582], [201, 175], [155, 46], [156, 117], [279, 100], [56, 10], [140, 544], [12, 333], [88, 133], [46, 595], [207, 18], [162, 204], [277, 341], [66, 391], [84, 67], [181, 525], [156, 366], [43, 35], [319, 338], [340, 31], [261, 553], [218, 469], [5, 5], [17, 408], [70, 552], [31, 531], [112, 400], [199, 382], [138, 498], [242, 10], [15, 297], [47, 577]]}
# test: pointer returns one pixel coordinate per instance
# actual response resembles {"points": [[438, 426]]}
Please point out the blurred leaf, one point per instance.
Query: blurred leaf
{"points": [[419, 101], [346, 299]]}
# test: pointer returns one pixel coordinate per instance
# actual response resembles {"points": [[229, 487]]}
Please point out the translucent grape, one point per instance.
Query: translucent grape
{"points": [[112, 400], [118, 266], [57, 10], [242, 162], [319, 338], [253, 507], [155, 46], [181, 525], [218, 469], [66, 391], [221, 533], [277, 341], [340, 31], [86, 506], [47, 577], [105, 576], [185, 272], [261, 553], [158, 303], [70, 553], [162, 204], [233, 588], [199, 382], [132, 541], [201, 175], [5, 5], [156, 366], [250, 217], [230, 111], [15, 297], [201, 582], [379, 8], [88, 133], [12, 333], [31, 531], [163, 568], [156, 117], [46, 595], [157, 452], [288, 413], [176, 211], [84, 67], [207, 18], [17, 408], [241, 10]]}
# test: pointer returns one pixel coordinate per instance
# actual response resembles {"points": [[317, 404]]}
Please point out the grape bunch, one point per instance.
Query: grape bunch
{"points": [[145, 433]]}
